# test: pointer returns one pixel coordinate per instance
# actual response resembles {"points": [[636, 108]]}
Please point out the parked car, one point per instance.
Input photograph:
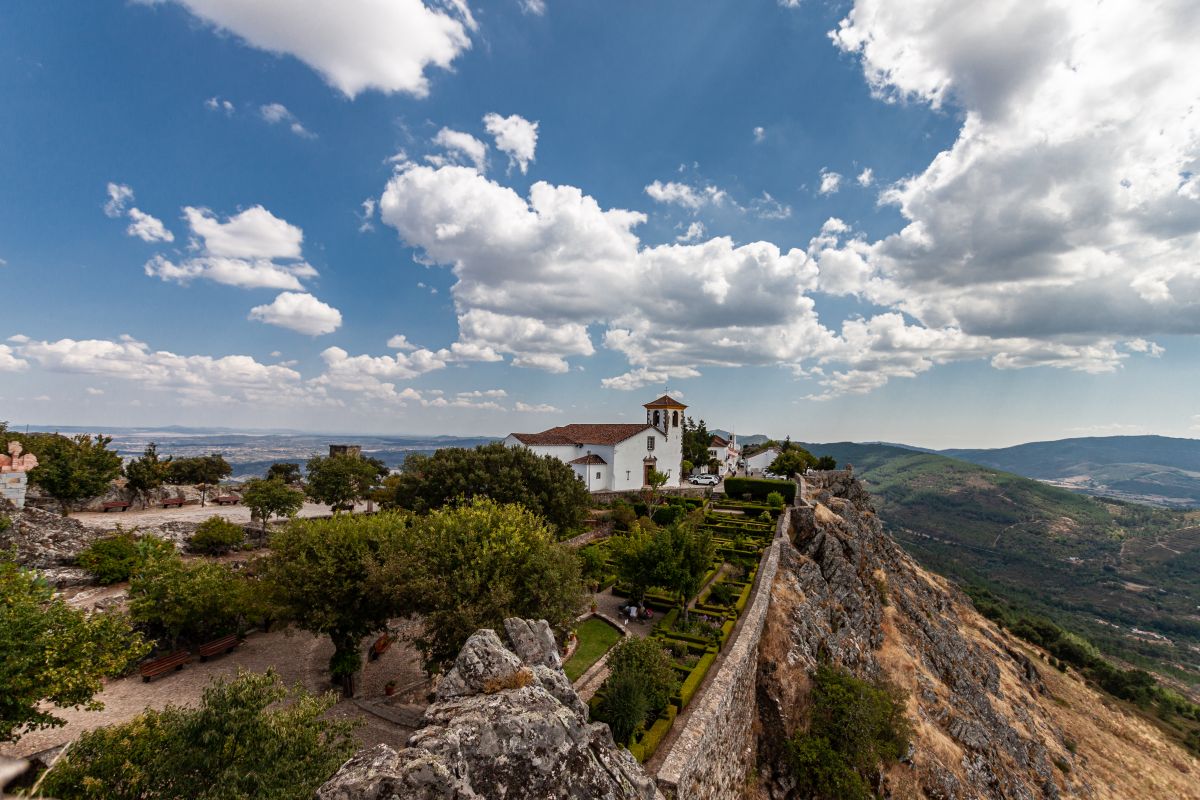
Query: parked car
{"points": [[770, 475], [704, 480]]}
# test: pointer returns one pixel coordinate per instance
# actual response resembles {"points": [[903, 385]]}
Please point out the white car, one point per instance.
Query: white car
{"points": [[704, 480]]}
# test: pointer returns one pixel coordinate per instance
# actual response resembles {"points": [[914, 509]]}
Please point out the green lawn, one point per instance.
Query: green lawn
{"points": [[595, 638]]}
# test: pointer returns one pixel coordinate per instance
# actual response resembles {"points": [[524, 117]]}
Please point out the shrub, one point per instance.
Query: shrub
{"points": [[759, 488], [647, 662], [5, 523], [625, 705], [775, 500], [722, 594], [853, 726], [623, 515], [217, 535], [172, 600], [117, 557]]}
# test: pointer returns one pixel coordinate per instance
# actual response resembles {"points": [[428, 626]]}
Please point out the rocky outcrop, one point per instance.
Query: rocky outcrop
{"points": [[846, 592], [505, 724], [49, 543]]}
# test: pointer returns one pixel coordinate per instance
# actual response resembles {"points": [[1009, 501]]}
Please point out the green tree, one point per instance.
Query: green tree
{"points": [[341, 481], [652, 495], [695, 442], [72, 469], [250, 738], [543, 484], [854, 728], [640, 685], [53, 653], [271, 498], [792, 461], [471, 566], [826, 462], [624, 706], [217, 536], [145, 474], [194, 602], [316, 578], [284, 471], [642, 557], [691, 550], [202, 471]]}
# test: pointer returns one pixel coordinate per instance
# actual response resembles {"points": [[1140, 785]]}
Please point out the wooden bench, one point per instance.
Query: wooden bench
{"points": [[161, 666], [177, 502], [227, 500], [119, 505], [225, 644], [379, 647]]}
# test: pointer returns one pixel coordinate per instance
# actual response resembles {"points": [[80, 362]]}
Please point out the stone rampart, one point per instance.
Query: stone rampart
{"points": [[715, 750]]}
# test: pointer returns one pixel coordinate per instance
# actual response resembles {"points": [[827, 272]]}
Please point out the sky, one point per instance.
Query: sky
{"points": [[904, 220]]}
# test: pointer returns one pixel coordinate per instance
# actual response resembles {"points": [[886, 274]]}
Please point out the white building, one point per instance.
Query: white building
{"points": [[616, 456], [760, 461], [725, 451]]}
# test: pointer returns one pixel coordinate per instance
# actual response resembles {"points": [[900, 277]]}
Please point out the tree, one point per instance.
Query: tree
{"points": [[469, 567], [249, 738], [53, 653], [543, 484], [641, 683], [145, 474], [316, 577], [202, 471], [642, 558], [341, 481], [271, 498], [217, 536], [794, 460], [73, 469], [284, 471], [114, 558], [193, 602], [692, 549], [695, 442], [676, 557], [652, 494], [826, 462]]}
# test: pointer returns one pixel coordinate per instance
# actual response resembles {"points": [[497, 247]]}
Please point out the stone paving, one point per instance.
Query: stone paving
{"points": [[157, 516]]}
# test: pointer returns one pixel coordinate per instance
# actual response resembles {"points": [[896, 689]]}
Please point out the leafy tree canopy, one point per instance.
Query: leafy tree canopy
{"points": [[471, 566], [145, 474], [53, 652], [341, 481], [242, 742], [791, 461], [543, 484], [74, 468], [271, 498], [203, 471], [284, 471], [117, 557]]}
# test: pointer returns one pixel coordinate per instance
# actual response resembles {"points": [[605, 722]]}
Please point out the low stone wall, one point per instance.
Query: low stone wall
{"points": [[715, 751]]}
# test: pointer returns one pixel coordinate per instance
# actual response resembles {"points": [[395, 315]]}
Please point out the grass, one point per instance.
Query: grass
{"points": [[595, 638]]}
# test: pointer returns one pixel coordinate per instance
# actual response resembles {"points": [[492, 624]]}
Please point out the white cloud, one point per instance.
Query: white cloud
{"points": [[830, 182], [866, 177], [400, 342], [119, 196], [478, 393], [535, 7], [367, 215], [682, 194], [694, 233], [278, 113], [461, 144], [93, 391], [767, 207], [219, 104], [197, 377], [242, 273], [760, 134], [539, 408], [375, 376], [148, 228], [515, 136], [9, 361], [253, 233], [354, 44], [300, 312]]}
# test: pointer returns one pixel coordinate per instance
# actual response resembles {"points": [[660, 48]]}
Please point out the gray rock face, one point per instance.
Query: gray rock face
{"points": [[505, 725], [44, 540], [846, 592]]}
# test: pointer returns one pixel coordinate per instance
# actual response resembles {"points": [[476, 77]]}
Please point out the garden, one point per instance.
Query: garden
{"points": [[693, 563]]}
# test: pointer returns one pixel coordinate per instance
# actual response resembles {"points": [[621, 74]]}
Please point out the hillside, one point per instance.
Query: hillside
{"points": [[1125, 576], [1153, 469]]}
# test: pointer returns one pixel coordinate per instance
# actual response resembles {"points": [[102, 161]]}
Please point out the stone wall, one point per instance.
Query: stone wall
{"points": [[12, 488], [715, 751]]}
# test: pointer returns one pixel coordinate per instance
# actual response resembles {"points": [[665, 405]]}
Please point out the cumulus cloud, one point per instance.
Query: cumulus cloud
{"points": [[830, 182], [148, 228], [866, 177], [355, 45], [300, 312], [253, 233], [9, 362], [460, 145], [767, 207], [694, 233], [682, 194], [376, 376], [239, 272], [219, 104], [278, 113], [515, 136], [538, 408], [535, 7], [119, 196]]}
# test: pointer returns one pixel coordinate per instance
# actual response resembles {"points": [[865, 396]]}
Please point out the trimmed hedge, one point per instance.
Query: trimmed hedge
{"points": [[688, 688], [652, 738], [759, 488], [743, 598]]}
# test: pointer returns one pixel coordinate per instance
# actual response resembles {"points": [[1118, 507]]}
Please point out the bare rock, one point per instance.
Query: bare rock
{"points": [[503, 726]]}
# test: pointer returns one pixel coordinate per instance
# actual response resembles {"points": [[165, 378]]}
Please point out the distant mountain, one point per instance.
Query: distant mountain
{"points": [[743, 439], [1127, 576], [1152, 469]]}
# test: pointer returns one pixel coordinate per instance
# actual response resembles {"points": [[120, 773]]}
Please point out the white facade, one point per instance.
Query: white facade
{"points": [[618, 456], [760, 461], [725, 451]]}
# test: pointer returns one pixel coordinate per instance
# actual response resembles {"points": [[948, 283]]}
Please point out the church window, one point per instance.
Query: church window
{"points": [[675, 418], [656, 419], [649, 442]]}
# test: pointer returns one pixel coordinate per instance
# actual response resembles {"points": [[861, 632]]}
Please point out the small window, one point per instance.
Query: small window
{"points": [[627, 474], [649, 442], [597, 476], [675, 418]]}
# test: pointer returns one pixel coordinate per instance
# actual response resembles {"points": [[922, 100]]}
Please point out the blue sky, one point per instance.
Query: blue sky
{"points": [[839, 220]]}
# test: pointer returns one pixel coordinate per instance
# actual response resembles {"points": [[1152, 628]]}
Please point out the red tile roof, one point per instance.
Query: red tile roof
{"points": [[590, 458], [717, 441], [666, 401], [581, 434]]}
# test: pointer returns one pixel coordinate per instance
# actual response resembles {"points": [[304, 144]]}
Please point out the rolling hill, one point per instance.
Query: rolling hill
{"points": [[1151, 469], [1126, 576]]}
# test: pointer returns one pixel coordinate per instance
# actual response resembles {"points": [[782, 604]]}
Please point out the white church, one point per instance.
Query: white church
{"points": [[616, 456]]}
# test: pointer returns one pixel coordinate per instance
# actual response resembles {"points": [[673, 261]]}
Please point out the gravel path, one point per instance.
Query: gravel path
{"points": [[298, 658], [157, 516]]}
